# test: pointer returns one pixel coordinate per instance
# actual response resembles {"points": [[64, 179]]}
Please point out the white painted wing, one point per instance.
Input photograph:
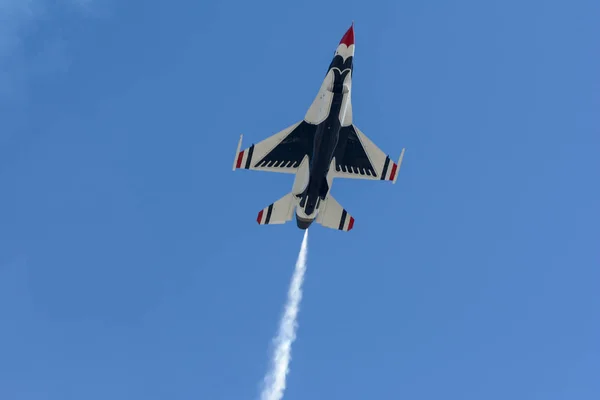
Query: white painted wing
{"points": [[281, 152], [357, 157], [333, 215]]}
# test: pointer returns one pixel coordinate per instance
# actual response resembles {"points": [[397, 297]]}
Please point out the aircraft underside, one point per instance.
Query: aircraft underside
{"points": [[324, 145]]}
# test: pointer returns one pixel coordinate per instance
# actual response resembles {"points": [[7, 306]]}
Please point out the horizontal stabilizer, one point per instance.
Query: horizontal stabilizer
{"points": [[334, 216], [279, 212]]}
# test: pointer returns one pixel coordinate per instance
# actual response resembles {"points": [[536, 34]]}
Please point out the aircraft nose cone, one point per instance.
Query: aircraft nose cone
{"points": [[348, 38]]}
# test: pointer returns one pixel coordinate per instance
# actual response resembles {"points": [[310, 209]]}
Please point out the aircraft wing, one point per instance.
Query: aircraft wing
{"points": [[281, 152], [357, 157]]}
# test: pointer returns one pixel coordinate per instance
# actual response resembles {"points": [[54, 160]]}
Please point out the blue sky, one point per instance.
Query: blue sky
{"points": [[131, 264]]}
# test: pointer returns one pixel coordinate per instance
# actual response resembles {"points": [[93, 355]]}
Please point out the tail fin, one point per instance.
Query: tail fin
{"points": [[279, 212], [333, 215]]}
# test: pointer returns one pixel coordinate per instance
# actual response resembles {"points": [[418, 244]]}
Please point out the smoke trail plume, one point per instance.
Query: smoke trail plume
{"points": [[275, 379]]}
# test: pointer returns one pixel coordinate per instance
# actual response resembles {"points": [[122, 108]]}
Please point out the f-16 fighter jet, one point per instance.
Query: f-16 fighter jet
{"points": [[322, 146]]}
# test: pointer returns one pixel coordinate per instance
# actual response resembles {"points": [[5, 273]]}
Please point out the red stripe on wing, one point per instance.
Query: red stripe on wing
{"points": [[393, 174], [239, 160]]}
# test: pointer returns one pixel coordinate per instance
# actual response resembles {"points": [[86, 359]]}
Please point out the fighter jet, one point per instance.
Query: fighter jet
{"points": [[322, 146]]}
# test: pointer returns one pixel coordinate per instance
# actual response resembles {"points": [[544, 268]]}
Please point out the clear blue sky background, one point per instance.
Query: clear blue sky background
{"points": [[131, 264]]}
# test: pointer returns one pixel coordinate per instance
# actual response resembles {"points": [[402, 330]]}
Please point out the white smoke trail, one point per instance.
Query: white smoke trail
{"points": [[275, 379]]}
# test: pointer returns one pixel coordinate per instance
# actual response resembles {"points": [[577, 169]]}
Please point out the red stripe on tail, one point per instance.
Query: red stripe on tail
{"points": [[259, 218], [351, 224]]}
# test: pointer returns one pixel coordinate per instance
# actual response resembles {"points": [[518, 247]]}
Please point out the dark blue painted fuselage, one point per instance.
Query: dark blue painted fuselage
{"points": [[326, 140]]}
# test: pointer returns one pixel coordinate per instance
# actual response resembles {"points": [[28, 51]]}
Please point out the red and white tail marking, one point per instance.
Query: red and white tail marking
{"points": [[334, 216], [347, 223], [278, 212]]}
